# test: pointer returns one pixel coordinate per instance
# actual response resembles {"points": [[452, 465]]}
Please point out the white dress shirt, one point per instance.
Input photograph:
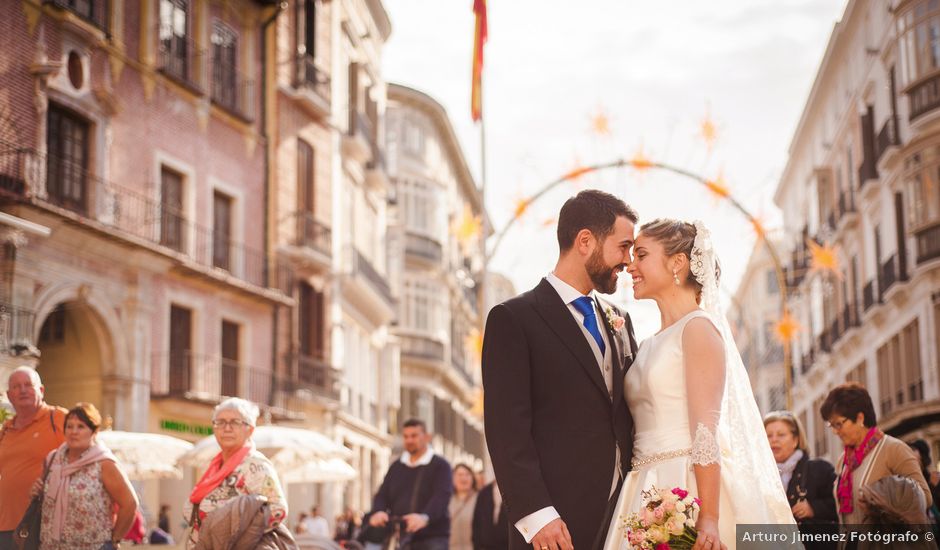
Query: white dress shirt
{"points": [[423, 460], [530, 525]]}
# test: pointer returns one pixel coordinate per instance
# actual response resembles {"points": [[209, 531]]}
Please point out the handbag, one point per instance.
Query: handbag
{"points": [[26, 534]]}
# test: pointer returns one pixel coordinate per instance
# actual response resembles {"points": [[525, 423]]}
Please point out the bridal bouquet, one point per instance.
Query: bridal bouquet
{"points": [[666, 520]]}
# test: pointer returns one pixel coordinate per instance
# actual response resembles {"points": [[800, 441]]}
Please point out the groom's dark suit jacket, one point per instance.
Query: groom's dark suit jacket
{"points": [[551, 426]]}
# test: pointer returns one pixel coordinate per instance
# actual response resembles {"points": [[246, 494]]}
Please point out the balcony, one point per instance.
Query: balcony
{"points": [[313, 379], [889, 276], [130, 215], [421, 347], [366, 287], [190, 376], [849, 317], [887, 138], [94, 12], [180, 59], [313, 234], [376, 171], [313, 87], [868, 296], [16, 331], [806, 363], [924, 97], [423, 248], [824, 341], [233, 91], [928, 244], [357, 142], [835, 331]]}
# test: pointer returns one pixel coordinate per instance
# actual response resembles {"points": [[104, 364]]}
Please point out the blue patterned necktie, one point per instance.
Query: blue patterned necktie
{"points": [[586, 307]]}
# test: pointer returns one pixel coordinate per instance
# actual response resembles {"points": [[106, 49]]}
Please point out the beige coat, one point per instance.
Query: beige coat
{"points": [[890, 456]]}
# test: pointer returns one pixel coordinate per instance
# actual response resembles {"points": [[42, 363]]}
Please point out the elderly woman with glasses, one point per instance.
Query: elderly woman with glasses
{"points": [[238, 470], [869, 453], [808, 482]]}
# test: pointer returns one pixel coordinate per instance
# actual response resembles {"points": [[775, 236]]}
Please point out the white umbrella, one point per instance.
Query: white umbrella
{"points": [[288, 448], [321, 471], [145, 455]]}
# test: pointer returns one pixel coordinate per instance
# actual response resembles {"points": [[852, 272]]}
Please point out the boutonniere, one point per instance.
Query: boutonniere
{"points": [[615, 321]]}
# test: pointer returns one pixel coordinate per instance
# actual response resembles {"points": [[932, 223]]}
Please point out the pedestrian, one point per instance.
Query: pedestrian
{"points": [[301, 524], [25, 440], [461, 507], [316, 524], [933, 481], [807, 482], [347, 526], [416, 491], [88, 502], [238, 470], [490, 521], [869, 453]]}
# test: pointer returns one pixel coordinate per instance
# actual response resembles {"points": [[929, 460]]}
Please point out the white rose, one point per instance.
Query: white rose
{"points": [[680, 507], [680, 517]]}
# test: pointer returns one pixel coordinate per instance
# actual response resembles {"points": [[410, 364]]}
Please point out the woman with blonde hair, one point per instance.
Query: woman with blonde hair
{"points": [[808, 482]]}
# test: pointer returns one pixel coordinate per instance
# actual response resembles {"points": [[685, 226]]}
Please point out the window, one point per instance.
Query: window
{"points": [[181, 323], [171, 209], [222, 231], [53, 329], [305, 177], [422, 213], [423, 306], [310, 22], [230, 359], [67, 160], [923, 188], [919, 40], [312, 322], [224, 66], [899, 373], [859, 374], [174, 38]]}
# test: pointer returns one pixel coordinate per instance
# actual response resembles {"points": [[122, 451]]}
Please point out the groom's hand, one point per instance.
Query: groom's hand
{"points": [[554, 536]]}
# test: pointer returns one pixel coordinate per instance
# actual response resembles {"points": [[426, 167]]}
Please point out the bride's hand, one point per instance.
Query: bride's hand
{"points": [[707, 539]]}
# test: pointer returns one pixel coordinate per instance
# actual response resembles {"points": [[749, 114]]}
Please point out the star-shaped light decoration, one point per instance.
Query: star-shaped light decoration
{"points": [[708, 130], [718, 187], [577, 172], [467, 228], [521, 206], [758, 225], [549, 222], [824, 258], [474, 344], [786, 328], [640, 161], [600, 123]]}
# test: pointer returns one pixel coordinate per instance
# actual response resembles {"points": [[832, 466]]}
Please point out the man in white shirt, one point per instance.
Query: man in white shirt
{"points": [[557, 427], [316, 524]]}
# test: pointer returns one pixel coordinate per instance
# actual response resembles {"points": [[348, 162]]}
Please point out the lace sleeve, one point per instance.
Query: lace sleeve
{"points": [[705, 381]]}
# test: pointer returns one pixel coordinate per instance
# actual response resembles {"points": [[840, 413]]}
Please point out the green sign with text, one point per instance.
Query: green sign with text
{"points": [[184, 427]]}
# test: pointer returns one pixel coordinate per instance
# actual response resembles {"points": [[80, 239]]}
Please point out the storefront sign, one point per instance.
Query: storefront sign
{"points": [[184, 427]]}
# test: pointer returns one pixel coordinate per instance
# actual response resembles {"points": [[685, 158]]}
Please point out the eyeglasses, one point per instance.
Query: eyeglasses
{"points": [[234, 424], [837, 425]]}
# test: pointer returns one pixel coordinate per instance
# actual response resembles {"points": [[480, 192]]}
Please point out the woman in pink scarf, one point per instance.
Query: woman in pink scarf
{"points": [[239, 469], [83, 486], [869, 453]]}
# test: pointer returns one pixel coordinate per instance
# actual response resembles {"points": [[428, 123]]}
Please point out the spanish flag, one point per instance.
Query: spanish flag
{"points": [[479, 39]]}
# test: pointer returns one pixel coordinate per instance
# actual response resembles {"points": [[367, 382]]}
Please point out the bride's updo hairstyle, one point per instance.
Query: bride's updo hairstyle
{"points": [[677, 237]]}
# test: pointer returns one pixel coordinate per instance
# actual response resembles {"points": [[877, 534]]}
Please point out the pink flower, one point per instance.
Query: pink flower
{"points": [[681, 493], [662, 546], [658, 514], [669, 506], [697, 501], [617, 323]]}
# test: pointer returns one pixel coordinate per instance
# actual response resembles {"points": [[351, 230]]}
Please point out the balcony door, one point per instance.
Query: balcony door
{"points": [[67, 161], [180, 353], [171, 209], [230, 359]]}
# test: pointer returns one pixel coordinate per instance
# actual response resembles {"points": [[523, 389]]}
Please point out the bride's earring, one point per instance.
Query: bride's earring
{"points": [[675, 277]]}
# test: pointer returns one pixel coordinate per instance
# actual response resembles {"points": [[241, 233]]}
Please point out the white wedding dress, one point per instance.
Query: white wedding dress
{"points": [[677, 425]]}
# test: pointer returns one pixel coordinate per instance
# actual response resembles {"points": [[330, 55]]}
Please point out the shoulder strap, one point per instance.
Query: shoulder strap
{"points": [[52, 420]]}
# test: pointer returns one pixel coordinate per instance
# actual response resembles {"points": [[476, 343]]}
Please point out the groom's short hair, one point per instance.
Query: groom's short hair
{"points": [[593, 210]]}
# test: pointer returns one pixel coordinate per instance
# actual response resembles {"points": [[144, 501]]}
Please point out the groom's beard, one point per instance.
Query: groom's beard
{"points": [[602, 275]]}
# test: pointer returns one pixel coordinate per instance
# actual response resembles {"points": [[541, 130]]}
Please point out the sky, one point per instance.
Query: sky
{"points": [[655, 71]]}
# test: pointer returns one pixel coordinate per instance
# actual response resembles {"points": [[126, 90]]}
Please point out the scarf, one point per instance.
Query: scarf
{"points": [[217, 473], [57, 484], [787, 466], [851, 460]]}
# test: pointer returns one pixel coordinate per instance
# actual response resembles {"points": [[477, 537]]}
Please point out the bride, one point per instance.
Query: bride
{"points": [[697, 425]]}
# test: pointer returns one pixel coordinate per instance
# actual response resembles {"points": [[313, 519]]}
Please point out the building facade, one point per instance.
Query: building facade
{"points": [[863, 176], [754, 312], [438, 307]]}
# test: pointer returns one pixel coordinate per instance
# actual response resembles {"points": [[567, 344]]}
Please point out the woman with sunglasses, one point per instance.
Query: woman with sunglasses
{"points": [[239, 469], [808, 482], [869, 453]]}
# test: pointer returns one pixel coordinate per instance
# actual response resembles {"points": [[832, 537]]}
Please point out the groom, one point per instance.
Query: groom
{"points": [[558, 430]]}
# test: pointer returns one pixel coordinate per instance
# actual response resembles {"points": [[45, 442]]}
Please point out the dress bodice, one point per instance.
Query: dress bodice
{"points": [[655, 391]]}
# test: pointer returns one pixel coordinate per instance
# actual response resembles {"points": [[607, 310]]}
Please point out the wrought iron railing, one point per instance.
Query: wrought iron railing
{"points": [[868, 295], [889, 275], [314, 234], [887, 137], [315, 79], [928, 244], [233, 90], [193, 376], [423, 247], [180, 58], [95, 12], [925, 97], [361, 266], [422, 348]]}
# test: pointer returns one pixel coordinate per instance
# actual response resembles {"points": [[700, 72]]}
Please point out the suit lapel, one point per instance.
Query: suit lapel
{"points": [[557, 316], [616, 345]]}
